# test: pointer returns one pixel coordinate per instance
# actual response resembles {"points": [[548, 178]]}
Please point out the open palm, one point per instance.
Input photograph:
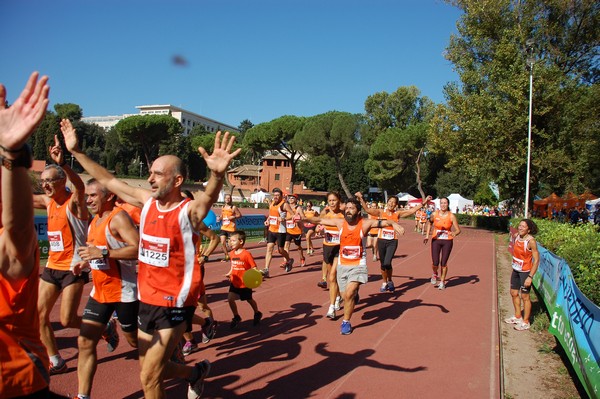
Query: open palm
{"points": [[18, 121]]}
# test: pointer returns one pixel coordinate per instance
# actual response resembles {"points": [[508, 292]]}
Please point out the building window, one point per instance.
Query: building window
{"points": [[277, 176]]}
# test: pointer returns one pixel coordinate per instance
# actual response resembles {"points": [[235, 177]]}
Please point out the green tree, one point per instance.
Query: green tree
{"points": [[482, 129], [456, 181], [147, 132], [68, 111], [333, 134], [44, 136], [485, 195], [278, 135]]}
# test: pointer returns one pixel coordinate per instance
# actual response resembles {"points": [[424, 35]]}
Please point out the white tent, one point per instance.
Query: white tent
{"points": [[405, 197], [456, 200]]}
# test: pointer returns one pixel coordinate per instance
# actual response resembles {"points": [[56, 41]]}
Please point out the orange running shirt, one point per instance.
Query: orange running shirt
{"points": [[23, 358], [113, 280], [66, 232], [275, 212], [442, 225], [522, 256], [352, 251], [169, 272], [239, 264], [332, 234], [310, 214], [133, 211], [388, 233], [292, 226], [226, 223]]}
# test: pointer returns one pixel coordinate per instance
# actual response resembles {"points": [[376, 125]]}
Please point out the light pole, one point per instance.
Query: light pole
{"points": [[530, 61], [141, 164]]}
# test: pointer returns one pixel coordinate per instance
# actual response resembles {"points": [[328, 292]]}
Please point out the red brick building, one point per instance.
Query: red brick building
{"points": [[274, 171]]}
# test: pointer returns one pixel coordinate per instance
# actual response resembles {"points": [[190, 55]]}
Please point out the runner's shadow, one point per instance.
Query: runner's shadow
{"points": [[333, 366], [459, 280], [393, 311]]}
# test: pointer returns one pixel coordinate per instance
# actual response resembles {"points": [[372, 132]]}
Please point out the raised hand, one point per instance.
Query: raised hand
{"points": [[19, 121], [70, 135], [222, 156], [56, 152]]}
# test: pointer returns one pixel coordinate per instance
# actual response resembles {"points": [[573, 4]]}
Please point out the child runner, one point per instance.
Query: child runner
{"points": [[241, 260]]}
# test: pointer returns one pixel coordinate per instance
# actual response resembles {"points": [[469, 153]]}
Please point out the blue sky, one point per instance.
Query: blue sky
{"points": [[246, 59]]}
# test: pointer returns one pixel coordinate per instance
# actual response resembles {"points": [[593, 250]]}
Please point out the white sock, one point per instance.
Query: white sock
{"points": [[82, 396]]}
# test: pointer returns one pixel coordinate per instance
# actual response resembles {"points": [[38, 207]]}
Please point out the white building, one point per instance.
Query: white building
{"points": [[187, 119]]}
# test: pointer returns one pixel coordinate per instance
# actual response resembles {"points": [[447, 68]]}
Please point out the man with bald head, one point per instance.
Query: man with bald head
{"points": [[169, 273]]}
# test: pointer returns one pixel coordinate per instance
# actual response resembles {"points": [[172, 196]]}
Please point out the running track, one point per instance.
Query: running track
{"points": [[418, 342]]}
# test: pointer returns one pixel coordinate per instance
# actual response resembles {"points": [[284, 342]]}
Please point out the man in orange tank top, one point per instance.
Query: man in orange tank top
{"points": [[169, 278], [352, 265], [111, 254], [23, 358], [67, 230]]}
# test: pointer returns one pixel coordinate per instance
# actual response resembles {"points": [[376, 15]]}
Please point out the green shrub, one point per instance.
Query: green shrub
{"points": [[484, 222], [579, 246]]}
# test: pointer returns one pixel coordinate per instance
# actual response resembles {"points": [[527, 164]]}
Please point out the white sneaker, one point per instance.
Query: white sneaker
{"points": [[338, 303], [434, 279], [331, 312], [441, 286], [522, 326], [513, 320]]}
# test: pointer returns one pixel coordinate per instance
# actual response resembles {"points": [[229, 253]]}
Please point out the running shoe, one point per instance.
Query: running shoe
{"points": [[346, 328], [338, 304], [322, 284], [522, 326], [189, 347], [257, 318], [390, 286], [289, 265], [434, 279], [310, 252], [60, 368], [441, 286], [197, 387], [331, 312], [265, 272], [209, 330], [513, 320], [235, 321], [375, 258], [383, 287], [302, 262], [111, 335]]}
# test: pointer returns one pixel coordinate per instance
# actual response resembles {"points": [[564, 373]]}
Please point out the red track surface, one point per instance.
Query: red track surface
{"points": [[417, 342]]}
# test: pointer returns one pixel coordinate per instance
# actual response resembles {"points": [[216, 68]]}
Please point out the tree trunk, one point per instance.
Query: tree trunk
{"points": [[338, 167]]}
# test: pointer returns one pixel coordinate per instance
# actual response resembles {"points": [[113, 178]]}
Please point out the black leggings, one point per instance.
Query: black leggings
{"points": [[443, 246], [387, 249]]}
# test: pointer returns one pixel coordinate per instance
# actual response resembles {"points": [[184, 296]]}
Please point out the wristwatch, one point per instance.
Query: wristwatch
{"points": [[104, 252], [23, 159]]}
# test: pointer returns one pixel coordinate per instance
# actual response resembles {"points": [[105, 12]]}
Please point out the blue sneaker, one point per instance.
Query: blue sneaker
{"points": [[390, 286], [346, 328]]}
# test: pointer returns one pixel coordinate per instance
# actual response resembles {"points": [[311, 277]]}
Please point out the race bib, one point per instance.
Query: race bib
{"points": [[55, 241], [99, 264], [517, 264], [226, 222], [351, 252], [443, 234], [154, 251], [332, 237], [290, 224], [387, 234], [273, 220]]}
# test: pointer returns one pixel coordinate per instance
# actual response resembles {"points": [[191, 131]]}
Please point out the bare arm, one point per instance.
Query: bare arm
{"points": [[536, 261], [333, 222], [372, 212], [455, 227], [414, 209], [134, 195], [213, 243], [18, 242], [236, 212], [217, 162]]}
